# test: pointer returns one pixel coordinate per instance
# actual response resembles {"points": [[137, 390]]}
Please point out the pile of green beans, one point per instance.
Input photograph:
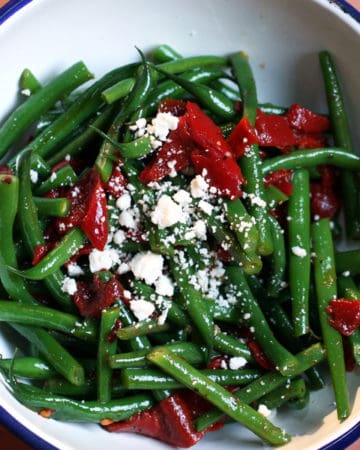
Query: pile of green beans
{"points": [[266, 324]]}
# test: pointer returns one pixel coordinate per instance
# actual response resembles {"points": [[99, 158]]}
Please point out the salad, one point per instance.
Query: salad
{"points": [[169, 248]]}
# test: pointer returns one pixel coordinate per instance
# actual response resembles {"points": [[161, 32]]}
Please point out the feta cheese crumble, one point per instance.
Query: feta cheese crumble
{"points": [[298, 251]]}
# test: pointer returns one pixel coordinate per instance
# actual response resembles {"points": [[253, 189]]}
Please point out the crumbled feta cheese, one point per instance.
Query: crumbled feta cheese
{"points": [[127, 219], [124, 201], [237, 362], [164, 286], [298, 251], [264, 410], [199, 229], [162, 123], [147, 266], [69, 286], [26, 92], [102, 259], [119, 237], [74, 270], [206, 207], [34, 176], [167, 213], [142, 309], [199, 187], [182, 197], [123, 268]]}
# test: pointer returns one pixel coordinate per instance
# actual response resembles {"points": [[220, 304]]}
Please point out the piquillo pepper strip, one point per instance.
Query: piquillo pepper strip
{"points": [[218, 396]]}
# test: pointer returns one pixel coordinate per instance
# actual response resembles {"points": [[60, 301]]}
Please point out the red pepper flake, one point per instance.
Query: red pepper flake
{"points": [[92, 297], [344, 315]]}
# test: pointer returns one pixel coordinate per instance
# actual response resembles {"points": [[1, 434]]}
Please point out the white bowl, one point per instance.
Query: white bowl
{"points": [[282, 38]]}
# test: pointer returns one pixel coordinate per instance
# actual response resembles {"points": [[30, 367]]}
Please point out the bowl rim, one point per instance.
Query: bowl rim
{"points": [[33, 439]]}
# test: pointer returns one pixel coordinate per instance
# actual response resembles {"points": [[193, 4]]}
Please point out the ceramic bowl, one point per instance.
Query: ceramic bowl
{"points": [[283, 39]]}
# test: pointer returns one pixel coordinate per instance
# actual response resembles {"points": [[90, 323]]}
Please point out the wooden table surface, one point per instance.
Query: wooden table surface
{"points": [[8, 441]]}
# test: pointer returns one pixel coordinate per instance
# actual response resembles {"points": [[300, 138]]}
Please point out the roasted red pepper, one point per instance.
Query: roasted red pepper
{"points": [[280, 179], [344, 315], [173, 106], [242, 137], [305, 120], [325, 201], [256, 350], [92, 297], [274, 131], [88, 210], [169, 421], [173, 155], [117, 181]]}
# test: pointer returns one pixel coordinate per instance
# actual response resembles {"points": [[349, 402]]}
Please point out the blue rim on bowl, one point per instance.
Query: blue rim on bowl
{"points": [[32, 439]]}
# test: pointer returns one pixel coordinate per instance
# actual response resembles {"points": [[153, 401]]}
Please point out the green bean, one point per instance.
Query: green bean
{"points": [[27, 367], [191, 352], [106, 348], [266, 383], [65, 409], [55, 207], [193, 300], [349, 290], [45, 317], [58, 256], [299, 243], [305, 159], [295, 389], [31, 232], [215, 101], [242, 224], [276, 279], [348, 261], [284, 329], [39, 102], [274, 196], [28, 82], [250, 262], [217, 395], [120, 90], [342, 137], [127, 318], [254, 318], [230, 345], [142, 328], [326, 289], [170, 89], [174, 314], [12, 283], [83, 138], [85, 105], [65, 176], [251, 163], [165, 53], [145, 80], [154, 379], [53, 352], [135, 149]]}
